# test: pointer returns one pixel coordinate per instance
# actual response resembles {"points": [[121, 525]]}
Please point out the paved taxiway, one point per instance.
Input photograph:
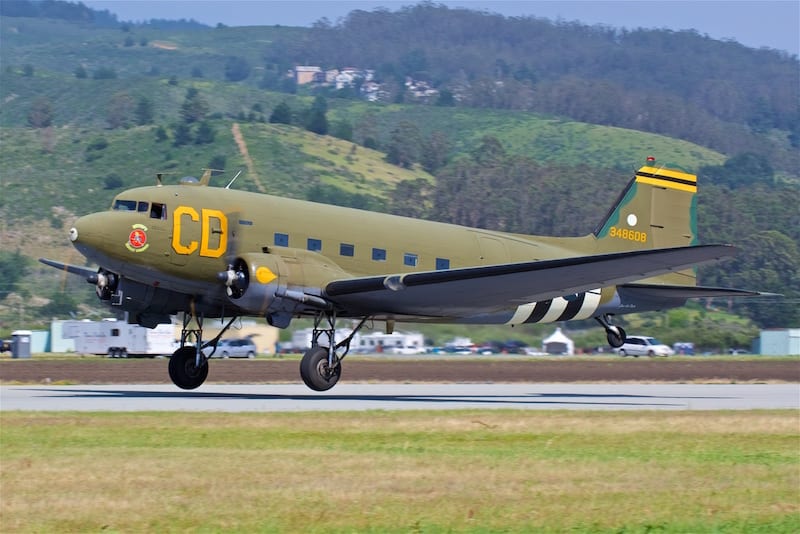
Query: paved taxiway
{"points": [[359, 397]]}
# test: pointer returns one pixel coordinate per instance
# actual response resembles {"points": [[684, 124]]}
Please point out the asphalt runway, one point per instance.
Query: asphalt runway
{"points": [[429, 396]]}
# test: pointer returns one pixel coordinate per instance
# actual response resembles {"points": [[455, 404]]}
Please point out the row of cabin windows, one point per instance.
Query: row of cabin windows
{"points": [[348, 250]]}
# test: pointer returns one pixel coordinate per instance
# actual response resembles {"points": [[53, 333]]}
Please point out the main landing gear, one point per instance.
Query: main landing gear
{"points": [[321, 366], [188, 366], [614, 334]]}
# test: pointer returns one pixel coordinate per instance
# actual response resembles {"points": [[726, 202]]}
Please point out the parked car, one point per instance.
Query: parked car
{"points": [[406, 350], [644, 346], [235, 348]]}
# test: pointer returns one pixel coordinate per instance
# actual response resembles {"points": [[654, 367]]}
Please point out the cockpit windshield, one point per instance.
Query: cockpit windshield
{"points": [[156, 209], [124, 205]]}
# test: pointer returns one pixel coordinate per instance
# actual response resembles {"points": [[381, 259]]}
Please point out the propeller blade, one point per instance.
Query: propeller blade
{"points": [[89, 274]]}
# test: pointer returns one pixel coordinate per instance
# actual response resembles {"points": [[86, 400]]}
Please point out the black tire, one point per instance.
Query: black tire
{"points": [[315, 372], [622, 353], [182, 369], [616, 337]]}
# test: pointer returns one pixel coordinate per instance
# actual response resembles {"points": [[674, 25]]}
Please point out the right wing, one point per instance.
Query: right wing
{"points": [[474, 290]]}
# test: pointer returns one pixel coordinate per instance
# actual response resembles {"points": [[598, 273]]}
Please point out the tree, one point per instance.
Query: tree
{"points": [[41, 113], [205, 134], [768, 261], [161, 134], [343, 130], [435, 152], [236, 69], [182, 135], [405, 145], [104, 73], [281, 114], [144, 111], [61, 305], [317, 121], [120, 110], [112, 181], [13, 268], [194, 107]]}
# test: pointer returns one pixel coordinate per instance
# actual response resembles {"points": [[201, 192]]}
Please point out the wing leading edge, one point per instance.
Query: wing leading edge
{"points": [[471, 290]]}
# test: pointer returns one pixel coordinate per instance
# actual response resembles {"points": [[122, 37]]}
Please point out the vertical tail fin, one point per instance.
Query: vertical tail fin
{"points": [[657, 209]]}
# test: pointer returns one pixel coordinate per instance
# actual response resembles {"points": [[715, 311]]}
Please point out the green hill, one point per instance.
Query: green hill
{"points": [[89, 145]]}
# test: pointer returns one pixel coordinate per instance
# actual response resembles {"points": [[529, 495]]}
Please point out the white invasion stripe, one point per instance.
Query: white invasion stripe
{"points": [[556, 309], [590, 303], [522, 314]]}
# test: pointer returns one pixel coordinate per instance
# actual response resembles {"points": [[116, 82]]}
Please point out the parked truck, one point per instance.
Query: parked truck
{"points": [[119, 339]]}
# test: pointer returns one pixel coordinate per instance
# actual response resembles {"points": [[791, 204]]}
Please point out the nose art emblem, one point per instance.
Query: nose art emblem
{"points": [[137, 239]]}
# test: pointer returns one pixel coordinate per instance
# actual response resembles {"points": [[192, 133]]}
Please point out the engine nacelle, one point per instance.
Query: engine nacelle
{"points": [[281, 284], [253, 280]]}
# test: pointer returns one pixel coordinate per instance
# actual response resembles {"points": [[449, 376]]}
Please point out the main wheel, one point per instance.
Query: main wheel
{"points": [[183, 371], [616, 336], [315, 371]]}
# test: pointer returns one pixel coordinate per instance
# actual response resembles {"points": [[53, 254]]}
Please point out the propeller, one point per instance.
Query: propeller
{"points": [[105, 282], [236, 276]]}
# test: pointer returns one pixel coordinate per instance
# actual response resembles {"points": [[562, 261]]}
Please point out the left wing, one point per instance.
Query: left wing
{"points": [[471, 290]]}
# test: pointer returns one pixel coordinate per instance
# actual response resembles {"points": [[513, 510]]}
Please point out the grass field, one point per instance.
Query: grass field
{"points": [[466, 471]]}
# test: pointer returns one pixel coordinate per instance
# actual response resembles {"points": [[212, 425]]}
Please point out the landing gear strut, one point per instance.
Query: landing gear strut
{"points": [[188, 366], [614, 334], [321, 366]]}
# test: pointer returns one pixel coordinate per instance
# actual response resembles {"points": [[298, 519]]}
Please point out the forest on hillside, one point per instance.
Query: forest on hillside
{"points": [[717, 94]]}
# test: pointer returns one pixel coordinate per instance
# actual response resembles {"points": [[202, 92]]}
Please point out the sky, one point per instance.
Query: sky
{"points": [[754, 23]]}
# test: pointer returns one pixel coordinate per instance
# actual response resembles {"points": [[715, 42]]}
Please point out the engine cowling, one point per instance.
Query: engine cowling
{"points": [[252, 281]]}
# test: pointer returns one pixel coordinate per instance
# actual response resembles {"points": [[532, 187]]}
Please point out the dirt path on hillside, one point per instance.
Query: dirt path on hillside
{"points": [[248, 161]]}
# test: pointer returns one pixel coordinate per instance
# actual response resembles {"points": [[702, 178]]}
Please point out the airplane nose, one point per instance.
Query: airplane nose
{"points": [[89, 231]]}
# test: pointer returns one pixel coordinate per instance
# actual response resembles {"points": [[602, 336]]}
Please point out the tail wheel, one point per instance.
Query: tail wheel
{"points": [[183, 369], [315, 370]]}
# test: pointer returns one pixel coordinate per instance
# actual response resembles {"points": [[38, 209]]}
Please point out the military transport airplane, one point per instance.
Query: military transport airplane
{"points": [[217, 252]]}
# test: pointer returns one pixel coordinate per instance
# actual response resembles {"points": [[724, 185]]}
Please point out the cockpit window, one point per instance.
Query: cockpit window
{"points": [[158, 211], [124, 205], [142, 207]]}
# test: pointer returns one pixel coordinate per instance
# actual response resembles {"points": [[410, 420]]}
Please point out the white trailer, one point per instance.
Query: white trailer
{"points": [[119, 339]]}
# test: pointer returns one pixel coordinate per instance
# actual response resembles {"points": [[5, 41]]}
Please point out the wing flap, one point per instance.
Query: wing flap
{"points": [[466, 291], [690, 292]]}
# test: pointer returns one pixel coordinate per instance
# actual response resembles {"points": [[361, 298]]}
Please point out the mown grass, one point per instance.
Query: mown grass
{"points": [[468, 471]]}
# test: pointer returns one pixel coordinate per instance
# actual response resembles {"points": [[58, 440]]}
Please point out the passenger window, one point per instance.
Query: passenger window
{"points": [[442, 263], [281, 240], [378, 254], [314, 244], [410, 259], [158, 211], [125, 205], [346, 250]]}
